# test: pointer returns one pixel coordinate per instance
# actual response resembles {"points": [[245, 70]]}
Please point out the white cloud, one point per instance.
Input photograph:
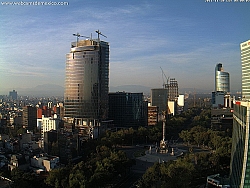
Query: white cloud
{"points": [[142, 38], [188, 68]]}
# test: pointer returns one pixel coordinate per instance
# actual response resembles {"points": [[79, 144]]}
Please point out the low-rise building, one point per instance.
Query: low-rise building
{"points": [[45, 163], [51, 163], [18, 161], [153, 113]]}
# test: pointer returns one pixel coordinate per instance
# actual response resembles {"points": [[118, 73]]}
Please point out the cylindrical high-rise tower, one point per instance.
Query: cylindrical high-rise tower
{"points": [[222, 81], [87, 80]]}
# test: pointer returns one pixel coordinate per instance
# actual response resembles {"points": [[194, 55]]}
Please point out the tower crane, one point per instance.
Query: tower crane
{"points": [[99, 33], [167, 78], [77, 35]]}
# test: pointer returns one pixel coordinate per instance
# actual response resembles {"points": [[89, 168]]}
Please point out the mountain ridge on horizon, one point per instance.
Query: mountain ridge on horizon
{"points": [[57, 90]]}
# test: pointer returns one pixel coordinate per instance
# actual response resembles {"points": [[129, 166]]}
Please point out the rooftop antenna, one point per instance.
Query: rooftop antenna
{"points": [[99, 33], [77, 35]]}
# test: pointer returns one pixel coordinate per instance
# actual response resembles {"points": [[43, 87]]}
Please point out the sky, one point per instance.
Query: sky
{"points": [[184, 38]]}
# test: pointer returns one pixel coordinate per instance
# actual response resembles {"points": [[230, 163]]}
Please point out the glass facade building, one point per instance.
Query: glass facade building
{"points": [[159, 97], [87, 80], [13, 95], [240, 154], [222, 80], [245, 62], [128, 109]]}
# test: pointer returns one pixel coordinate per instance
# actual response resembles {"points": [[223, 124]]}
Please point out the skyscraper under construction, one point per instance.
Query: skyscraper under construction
{"points": [[87, 81], [173, 89]]}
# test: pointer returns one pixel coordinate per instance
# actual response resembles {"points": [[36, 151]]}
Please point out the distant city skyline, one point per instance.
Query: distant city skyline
{"points": [[185, 38]]}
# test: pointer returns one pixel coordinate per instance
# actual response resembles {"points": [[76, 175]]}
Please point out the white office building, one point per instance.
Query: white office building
{"points": [[245, 61]]}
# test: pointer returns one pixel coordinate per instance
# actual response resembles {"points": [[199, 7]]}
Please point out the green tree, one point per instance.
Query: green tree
{"points": [[150, 178], [180, 174], [77, 179], [58, 177], [142, 134], [103, 173], [172, 174], [22, 180], [198, 134], [186, 136], [21, 131]]}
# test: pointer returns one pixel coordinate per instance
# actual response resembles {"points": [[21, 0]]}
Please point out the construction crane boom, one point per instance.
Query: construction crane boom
{"points": [[77, 35], [99, 33], [167, 78]]}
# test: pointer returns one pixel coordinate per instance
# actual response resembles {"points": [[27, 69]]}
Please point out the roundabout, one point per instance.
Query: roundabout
{"points": [[153, 156]]}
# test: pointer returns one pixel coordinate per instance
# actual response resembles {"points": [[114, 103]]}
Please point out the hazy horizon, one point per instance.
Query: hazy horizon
{"points": [[57, 90]]}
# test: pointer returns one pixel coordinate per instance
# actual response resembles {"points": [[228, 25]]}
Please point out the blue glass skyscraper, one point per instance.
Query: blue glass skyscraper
{"points": [[222, 80]]}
